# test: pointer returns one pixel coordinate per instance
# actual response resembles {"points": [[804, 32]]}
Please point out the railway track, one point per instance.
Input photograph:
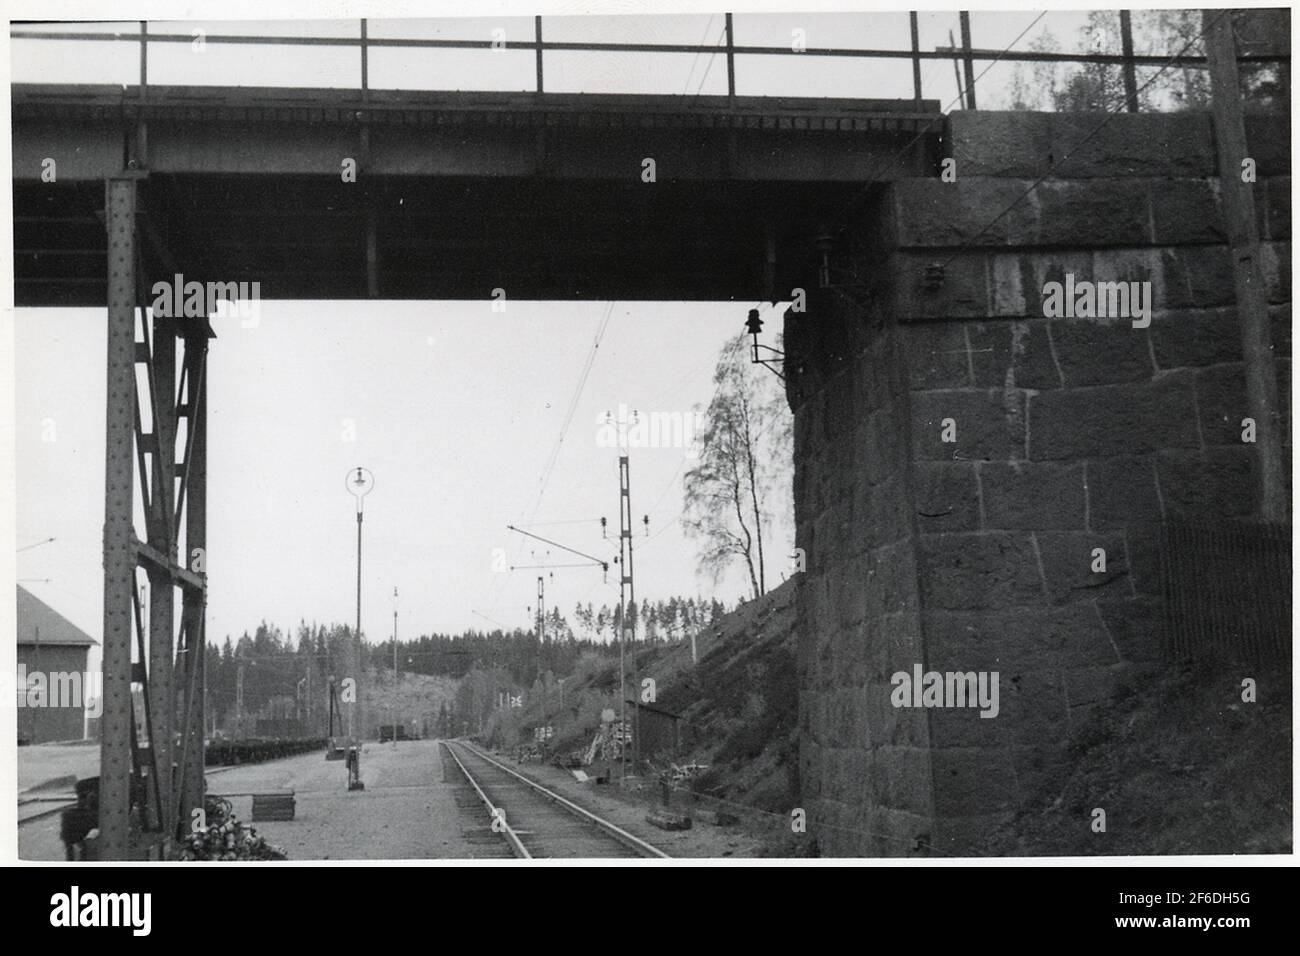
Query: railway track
{"points": [[537, 822]]}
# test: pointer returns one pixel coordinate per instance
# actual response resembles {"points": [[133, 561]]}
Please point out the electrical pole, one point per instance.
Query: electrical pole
{"points": [[541, 611], [541, 639], [394, 668], [239, 701], [540, 619], [1248, 277], [627, 597]]}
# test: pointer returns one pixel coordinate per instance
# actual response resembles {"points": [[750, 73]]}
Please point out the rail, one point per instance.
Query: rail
{"points": [[634, 843], [497, 817]]}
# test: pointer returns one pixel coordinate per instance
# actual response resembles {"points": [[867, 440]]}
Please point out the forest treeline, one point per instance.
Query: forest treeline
{"points": [[284, 669]]}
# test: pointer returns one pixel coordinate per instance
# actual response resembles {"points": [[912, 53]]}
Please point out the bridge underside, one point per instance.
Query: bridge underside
{"points": [[544, 196], [434, 239]]}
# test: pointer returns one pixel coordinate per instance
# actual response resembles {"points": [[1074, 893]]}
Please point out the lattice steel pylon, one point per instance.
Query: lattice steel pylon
{"points": [[627, 601], [145, 797]]}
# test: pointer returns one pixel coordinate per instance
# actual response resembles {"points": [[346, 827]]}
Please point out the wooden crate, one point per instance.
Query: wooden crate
{"points": [[273, 806]]}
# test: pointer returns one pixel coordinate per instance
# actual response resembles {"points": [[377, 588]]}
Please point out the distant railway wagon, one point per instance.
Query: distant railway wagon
{"points": [[253, 750]]}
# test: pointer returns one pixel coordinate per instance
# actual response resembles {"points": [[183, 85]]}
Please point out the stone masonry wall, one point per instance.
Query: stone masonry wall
{"points": [[1070, 435], [864, 766]]}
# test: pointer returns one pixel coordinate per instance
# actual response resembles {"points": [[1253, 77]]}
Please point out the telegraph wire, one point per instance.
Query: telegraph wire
{"points": [[570, 411], [572, 408], [1110, 115], [929, 126], [717, 45], [695, 60]]}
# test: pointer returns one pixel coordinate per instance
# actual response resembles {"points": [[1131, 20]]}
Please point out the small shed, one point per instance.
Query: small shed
{"points": [[659, 729]]}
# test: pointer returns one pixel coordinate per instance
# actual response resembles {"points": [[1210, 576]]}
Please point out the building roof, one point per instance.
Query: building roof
{"points": [[40, 623]]}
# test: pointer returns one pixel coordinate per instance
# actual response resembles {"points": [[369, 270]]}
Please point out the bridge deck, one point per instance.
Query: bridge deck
{"points": [[456, 194]]}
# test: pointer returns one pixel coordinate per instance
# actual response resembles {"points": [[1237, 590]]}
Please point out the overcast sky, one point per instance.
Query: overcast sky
{"points": [[455, 409], [397, 68]]}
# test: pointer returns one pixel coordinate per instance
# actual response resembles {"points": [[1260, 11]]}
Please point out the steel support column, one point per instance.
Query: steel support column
{"points": [[160, 527], [119, 550], [171, 471], [193, 618]]}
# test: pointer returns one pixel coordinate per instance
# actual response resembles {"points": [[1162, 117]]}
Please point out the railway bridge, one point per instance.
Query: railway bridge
{"points": [[959, 456], [330, 194]]}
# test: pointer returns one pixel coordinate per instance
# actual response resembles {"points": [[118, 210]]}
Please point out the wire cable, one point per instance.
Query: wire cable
{"points": [[1110, 115]]}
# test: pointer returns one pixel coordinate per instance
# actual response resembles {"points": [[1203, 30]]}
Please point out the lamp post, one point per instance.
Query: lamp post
{"points": [[394, 668], [359, 482]]}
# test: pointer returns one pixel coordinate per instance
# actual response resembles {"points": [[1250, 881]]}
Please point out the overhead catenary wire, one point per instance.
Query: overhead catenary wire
{"points": [[1110, 115], [695, 60], [570, 411], [572, 408], [709, 64], [872, 178], [556, 544], [571, 521]]}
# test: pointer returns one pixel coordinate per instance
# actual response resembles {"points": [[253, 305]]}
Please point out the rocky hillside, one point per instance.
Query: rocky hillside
{"points": [[414, 698], [739, 704]]}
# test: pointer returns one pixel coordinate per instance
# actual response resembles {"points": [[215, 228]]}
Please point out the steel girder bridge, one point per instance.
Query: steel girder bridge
{"points": [[456, 194]]}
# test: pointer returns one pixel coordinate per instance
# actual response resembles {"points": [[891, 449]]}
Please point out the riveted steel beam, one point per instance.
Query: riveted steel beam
{"points": [[119, 552]]}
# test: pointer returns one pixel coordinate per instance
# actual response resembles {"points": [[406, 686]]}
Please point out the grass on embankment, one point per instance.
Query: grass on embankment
{"points": [[1181, 766]]}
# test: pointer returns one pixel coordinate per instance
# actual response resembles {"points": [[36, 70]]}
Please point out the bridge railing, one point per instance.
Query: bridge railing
{"points": [[1113, 72]]}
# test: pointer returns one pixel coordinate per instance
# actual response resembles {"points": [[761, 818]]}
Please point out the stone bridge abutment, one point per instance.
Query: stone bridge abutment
{"points": [[963, 460]]}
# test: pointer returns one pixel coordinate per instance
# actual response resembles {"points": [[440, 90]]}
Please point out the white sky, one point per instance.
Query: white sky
{"points": [[397, 68], [455, 410]]}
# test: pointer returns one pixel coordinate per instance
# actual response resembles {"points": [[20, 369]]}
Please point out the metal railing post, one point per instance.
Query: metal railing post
{"points": [[969, 61], [365, 60], [537, 30], [144, 57], [916, 59], [1130, 71], [731, 61]]}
